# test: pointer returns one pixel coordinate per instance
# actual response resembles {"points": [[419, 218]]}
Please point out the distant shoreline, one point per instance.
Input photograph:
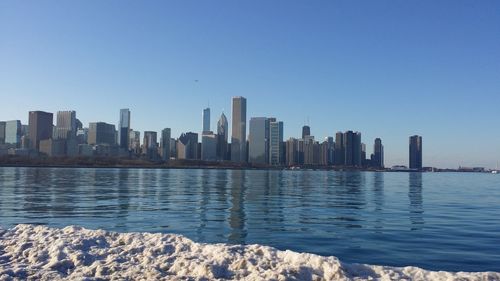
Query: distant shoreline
{"points": [[123, 163]]}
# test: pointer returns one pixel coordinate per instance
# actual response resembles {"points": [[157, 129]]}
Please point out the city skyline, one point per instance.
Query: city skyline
{"points": [[429, 69]]}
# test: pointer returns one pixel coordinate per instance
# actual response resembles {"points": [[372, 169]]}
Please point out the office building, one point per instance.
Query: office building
{"points": [[135, 142], [82, 135], [54, 147], [239, 130], [2, 132], [306, 131], [276, 142], [124, 130], [173, 148], [208, 146], [416, 152], [339, 159], [13, 133], [206, 120], [187, 146], [40, 127], [331, 150], [65, 125], [352, 147], [222, 138], [101, 133], [258, 140], [165, 144], [324, 148], [292, 150], [378, 154], [150, 145]]}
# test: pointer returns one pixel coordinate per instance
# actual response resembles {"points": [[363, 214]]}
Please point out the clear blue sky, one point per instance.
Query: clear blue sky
{"points": [[389, 69]]}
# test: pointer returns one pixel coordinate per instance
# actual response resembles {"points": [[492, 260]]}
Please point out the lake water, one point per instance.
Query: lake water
{"points": [[439, 221]]}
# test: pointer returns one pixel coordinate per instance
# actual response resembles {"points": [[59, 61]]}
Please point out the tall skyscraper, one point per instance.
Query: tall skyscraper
{"points": [[40, 125], [275, 142], [306, 131], [339, 149], [150, 145], [292, 150], [187, 146], [239, 130], [124, 130], [135, 141], [358, 150], [65, 125], [258, 140], [352, 141], [416, 152], [101, 133], [208, 146], [2, 132], [331, 150], [222, 137], [13, 133], [165, 144], [378, 154], [206, 120]]}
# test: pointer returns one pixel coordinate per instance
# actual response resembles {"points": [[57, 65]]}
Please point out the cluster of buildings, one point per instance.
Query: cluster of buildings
{"points": [[263, 146]]}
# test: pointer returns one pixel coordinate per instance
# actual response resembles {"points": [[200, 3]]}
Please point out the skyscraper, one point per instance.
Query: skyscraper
{"points": [[40, 125], [378, 154], [13, 133], [135, 141], [208, 146], [101, 133], [206, 120], [352, 147], [2, 132], [222, 137], [239, 130], [292, 151], [306, 131], [65, 125], [165, 144], [150, 145], [339, 149], [187, 146], [275, 142], [258, 140], [124, 130], [331, 150], [416, 152]]}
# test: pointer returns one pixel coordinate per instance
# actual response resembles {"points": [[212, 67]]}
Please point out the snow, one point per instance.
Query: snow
{"points": [[29, 252]]}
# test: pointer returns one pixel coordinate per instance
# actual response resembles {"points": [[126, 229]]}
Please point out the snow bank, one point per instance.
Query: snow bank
{"points": [[75, 253]]}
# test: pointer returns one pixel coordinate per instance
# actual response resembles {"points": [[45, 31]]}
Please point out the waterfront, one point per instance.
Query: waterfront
{"points": [[438, 221]]}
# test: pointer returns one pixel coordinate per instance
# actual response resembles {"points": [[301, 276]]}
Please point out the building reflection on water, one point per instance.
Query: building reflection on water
{"points": [[237, 215], [378, 199], [416, 200]]}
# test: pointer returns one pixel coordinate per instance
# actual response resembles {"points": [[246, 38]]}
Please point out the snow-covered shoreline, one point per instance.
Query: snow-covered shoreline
{"points": [[29, 252]]}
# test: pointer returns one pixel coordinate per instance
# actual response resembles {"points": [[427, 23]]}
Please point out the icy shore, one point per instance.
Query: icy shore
{"points": [[30, 252]]}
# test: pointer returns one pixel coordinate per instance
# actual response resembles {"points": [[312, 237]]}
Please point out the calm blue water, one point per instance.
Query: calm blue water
{"points": [[440, 221]]}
